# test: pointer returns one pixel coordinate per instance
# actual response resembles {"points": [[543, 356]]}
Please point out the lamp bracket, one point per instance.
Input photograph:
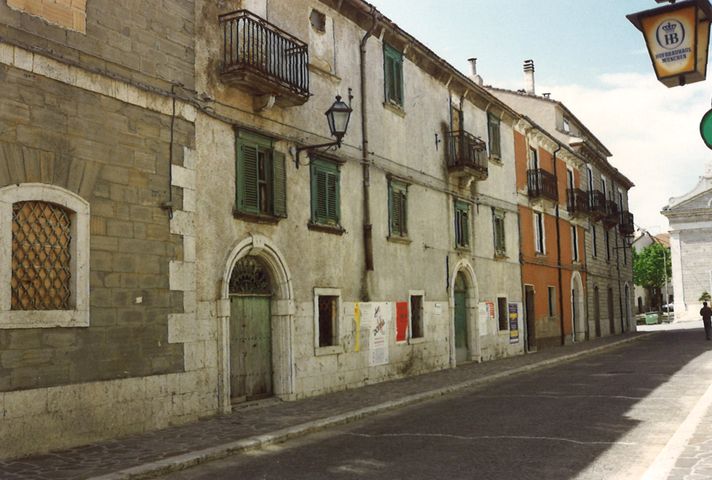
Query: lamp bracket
{"points": [[311, 148]]}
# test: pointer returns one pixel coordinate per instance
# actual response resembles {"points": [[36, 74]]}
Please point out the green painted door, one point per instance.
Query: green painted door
{"points": [[250, 348], [462, 353]]}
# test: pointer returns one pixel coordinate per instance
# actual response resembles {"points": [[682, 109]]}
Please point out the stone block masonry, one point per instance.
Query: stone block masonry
{"points": [[135, 367]]}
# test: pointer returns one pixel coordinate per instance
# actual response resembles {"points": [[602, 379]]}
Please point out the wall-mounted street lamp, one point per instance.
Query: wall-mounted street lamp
{"points": [[337, 116], [678, 38]]}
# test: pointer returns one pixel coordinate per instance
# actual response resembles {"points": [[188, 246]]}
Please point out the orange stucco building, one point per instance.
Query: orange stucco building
{"points": [[552, 238]]}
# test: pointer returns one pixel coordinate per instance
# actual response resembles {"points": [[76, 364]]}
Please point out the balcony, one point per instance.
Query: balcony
{"points": [[597, 204], [542, 184], [466, 156], [612, 217], [626, 226], [262, 59], [577, 202]]}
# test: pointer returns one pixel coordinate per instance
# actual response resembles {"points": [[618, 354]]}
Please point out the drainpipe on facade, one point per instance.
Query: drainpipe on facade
{"points": [[367, 226], [620, 293], [558, 252]]}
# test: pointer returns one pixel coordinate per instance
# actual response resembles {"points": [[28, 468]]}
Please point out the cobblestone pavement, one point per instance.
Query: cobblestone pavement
{"points": [[111, 456], [695, 461]]}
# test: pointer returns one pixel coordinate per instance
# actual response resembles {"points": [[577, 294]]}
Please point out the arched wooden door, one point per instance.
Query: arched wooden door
{"points": [[250, 331]]}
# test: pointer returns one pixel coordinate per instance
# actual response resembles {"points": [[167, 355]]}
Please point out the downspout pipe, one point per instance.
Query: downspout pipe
{"points": [[365, 164], [558, 251]]}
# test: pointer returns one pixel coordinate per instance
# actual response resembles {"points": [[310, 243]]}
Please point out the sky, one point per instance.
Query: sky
{"points": [[591, 58]]}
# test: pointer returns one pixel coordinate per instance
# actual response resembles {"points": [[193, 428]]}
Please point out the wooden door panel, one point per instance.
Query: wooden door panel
{"points": [[250, 347]]}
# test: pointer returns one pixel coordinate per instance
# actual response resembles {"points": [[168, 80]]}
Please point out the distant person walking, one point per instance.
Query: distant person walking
{"points": [[706, 313]]}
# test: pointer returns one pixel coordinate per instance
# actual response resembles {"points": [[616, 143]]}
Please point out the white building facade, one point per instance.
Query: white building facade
{"points": [[690, 218]]}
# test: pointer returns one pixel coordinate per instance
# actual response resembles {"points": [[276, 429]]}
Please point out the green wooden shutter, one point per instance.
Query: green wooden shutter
{"points": [[247, 191], [393, 74], [397, 209], [279, 184], [325, 192], [494, 136]]}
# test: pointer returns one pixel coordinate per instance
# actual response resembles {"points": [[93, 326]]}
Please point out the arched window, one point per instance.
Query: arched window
{"points": [[44, 257]]}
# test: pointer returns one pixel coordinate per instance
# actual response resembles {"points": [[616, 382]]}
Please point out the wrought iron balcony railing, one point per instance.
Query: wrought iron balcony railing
{"points": [[597, 204], [612, 217], [577, 201], [466, 155], [626, 227], [263, 58], [542, 184]]}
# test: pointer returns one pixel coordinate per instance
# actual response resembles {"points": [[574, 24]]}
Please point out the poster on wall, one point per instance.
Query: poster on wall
{"points": [[357, 328], [401, 321], [483, 318], [375, 318], [513, 309]]}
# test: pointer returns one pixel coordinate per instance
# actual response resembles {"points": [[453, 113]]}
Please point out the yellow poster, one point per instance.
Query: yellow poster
{"points": [[357, 329]]}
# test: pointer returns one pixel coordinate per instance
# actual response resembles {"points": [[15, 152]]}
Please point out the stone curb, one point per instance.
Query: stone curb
{"points": [[186, 460]]}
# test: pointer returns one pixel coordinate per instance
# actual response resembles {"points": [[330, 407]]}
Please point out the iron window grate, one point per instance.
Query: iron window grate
{"points": [[41, 257]]}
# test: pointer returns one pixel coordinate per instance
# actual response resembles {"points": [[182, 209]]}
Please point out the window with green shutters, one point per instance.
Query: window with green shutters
{"points": [[261, 177], [462, 224], [500, 243], [393, 74], [495, 149], [325, 193], [398, 208]]}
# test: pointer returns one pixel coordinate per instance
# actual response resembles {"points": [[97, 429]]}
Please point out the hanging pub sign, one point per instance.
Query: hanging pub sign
{"points": [[677, 37]]}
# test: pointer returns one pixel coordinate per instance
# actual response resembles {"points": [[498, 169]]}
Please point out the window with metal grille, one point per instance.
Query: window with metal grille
{"points": [[398, 208], [41, 258], [393, 75], [462, 224], [261, 177], [416, 316], [325, 192], [502, 313], [500, 243], [328, 315], [495, 148]]}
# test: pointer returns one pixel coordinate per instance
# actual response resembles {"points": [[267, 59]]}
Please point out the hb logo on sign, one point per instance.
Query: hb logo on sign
{"points": [[670, 34]]}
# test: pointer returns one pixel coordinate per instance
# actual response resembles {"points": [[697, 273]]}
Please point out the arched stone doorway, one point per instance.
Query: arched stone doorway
{"points": [[578, 309], [463, 302], [462, 345], [272, 268], [250, 331]]}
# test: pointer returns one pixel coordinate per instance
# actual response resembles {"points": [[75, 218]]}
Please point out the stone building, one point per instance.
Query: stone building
{"points": [[606, 217], [690, 218], [411, 224], [99, 334], [170, 246]]}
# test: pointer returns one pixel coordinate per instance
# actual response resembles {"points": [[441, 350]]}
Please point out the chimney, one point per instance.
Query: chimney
{"points": [[473, 71], [529, 77]]}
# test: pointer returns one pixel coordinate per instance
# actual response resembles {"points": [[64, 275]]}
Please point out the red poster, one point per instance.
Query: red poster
{"points": [[401, 321]]}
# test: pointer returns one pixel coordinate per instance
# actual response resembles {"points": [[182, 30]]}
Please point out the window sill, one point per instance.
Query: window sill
{"points": [[332, 229], [496, 160], [397, 239], [395, 108], [463, 249], [43, 319], [416, 341], [500, 256], [332, 350], [255, 218], [540, 254]]}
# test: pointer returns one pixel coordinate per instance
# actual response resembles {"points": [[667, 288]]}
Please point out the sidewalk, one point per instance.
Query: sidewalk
{"points": [[175, 448]]}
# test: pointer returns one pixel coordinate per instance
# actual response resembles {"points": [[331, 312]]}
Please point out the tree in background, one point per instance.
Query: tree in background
{"points": [[650, 267]]}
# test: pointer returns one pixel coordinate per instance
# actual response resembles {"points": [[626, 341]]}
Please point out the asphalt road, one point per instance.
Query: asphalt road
{"points": [[619, 414]]}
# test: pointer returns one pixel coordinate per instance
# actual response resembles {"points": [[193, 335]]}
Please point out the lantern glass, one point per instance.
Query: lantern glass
{"points": [[338, 117]]}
